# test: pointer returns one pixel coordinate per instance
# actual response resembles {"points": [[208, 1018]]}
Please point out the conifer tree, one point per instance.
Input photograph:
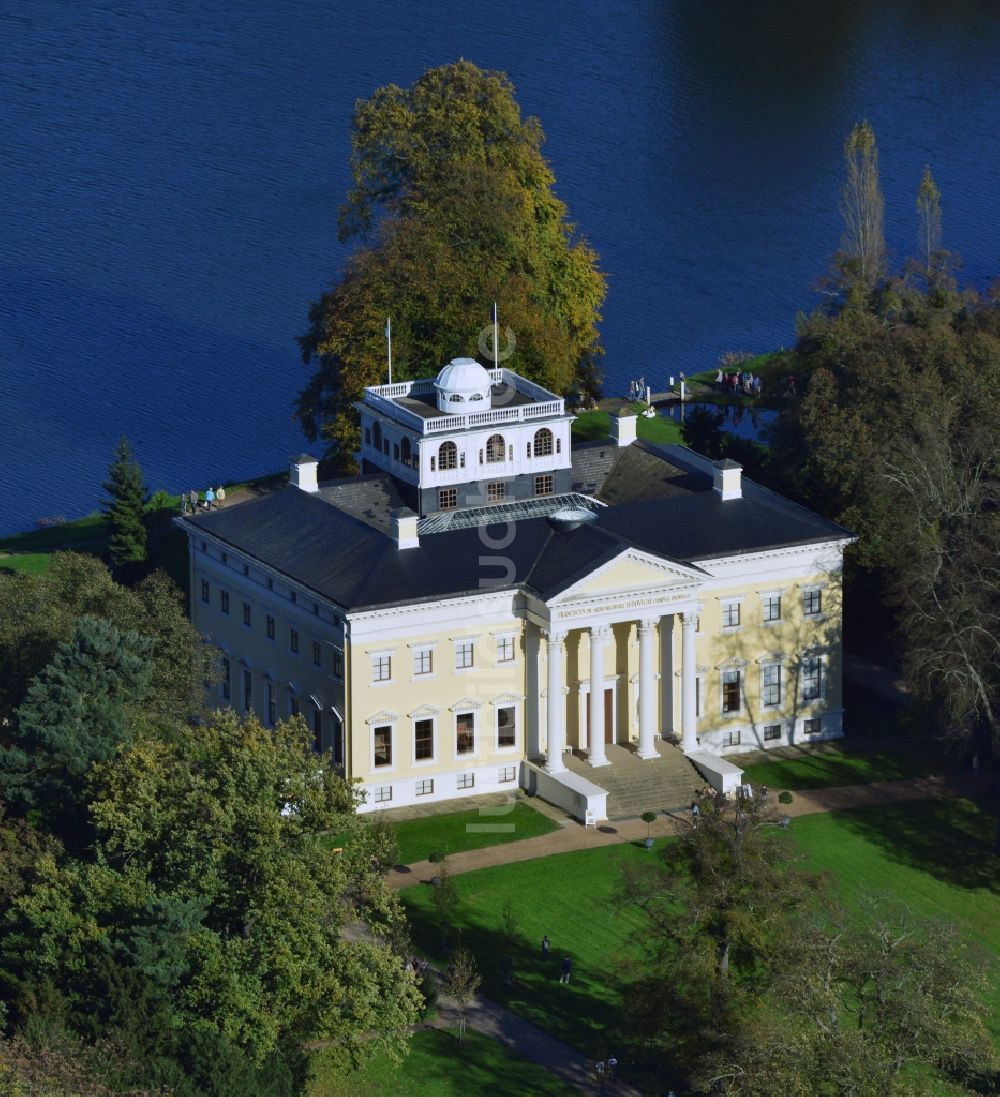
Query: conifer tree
{"points": [[125, 506]]}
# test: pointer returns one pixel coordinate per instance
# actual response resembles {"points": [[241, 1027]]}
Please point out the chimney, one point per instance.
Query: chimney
{"points": [[404, 528], [727, 479], [302, 472], [623, 427]]}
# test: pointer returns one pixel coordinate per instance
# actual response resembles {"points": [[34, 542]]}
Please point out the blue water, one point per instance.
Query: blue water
{"points": [[172, 171]]}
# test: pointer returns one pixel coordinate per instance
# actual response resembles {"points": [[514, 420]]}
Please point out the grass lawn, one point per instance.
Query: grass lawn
{"points": [[28, 563], [438, 1066], [462, 830], [593, 425], [570, 897]]}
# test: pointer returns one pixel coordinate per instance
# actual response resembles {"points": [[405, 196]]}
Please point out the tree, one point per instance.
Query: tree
{"points": [[862, 207], [453, 203], [444, 898], [74, 714], [125, 507], [929, 219], [210, 881], [461, 983]]}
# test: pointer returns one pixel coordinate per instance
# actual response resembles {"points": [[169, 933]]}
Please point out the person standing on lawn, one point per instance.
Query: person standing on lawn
{"points": [[545, 947], [566, 971]]}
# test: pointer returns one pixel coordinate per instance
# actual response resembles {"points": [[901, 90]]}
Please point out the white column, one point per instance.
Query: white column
{"points": [[595, 744], [647, 690], [556, 703], [689, 700]]}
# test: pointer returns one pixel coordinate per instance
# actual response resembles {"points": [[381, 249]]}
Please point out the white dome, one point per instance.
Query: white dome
{"points": [[462, 386]]}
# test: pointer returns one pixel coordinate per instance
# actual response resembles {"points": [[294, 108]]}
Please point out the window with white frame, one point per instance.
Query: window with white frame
{"points": [[699, 695], [269, 626], [247, 614], [812, 726], [772, 608], [317, 653], [506, 726], [337, 664], [731, 738], [423, 661], [382, 735], [447, 498], [381, 667], [496, 492], [293, 641], [770, 684], [730, 614], [812, 677], [247, 690], [772, 732], [224, 601], [464, 654], [812, 602], [732, 691], [382, 794], [206, 592], [465, 780], [505, 649], [507, 775], [425, 787], [465, 733], [545, 485], [423, 740], [294, 708]]}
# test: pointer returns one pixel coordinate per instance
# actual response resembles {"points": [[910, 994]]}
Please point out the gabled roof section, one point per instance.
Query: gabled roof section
{"points": [[629, 570]]}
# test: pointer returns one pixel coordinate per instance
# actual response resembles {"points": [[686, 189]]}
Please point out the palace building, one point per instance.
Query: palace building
{"points": [[489, 604]]}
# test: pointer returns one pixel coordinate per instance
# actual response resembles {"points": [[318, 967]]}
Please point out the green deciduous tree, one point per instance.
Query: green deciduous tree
{"points": [[461, 983], [862, 206], [454, 203], [125, 507]]}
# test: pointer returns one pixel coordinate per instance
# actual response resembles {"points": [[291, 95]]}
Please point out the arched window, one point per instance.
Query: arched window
{"points": [[404, 450], [377, 435], [496, 448], [455, 398], [448, 456], [543, 442]]}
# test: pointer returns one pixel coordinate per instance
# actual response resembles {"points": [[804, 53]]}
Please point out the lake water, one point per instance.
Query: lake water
{"points": [[172, 173]]}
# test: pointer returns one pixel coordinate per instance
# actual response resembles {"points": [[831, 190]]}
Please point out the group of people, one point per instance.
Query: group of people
{"points": [[737, 382], [637, 389], [708, 797], [565, 968], [192, 502]]}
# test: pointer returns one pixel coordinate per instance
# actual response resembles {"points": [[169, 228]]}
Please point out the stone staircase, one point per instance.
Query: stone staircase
{"points": [[633, 786]]}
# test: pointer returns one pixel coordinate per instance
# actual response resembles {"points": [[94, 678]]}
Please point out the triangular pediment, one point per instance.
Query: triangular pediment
{"points": [[631, 572]]}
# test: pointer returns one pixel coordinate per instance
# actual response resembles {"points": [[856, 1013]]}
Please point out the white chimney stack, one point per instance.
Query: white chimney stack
{"points": [[623, 427], [727, 479], [303, 472], [404, 528]]}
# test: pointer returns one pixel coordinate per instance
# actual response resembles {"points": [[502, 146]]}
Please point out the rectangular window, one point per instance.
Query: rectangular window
{"points": [[423, 661], [338, 665], [770, 684], [506, 726], [772, 607], [206, 592], [544, 485], [395, 451], [383, 745], [505, 649], [731, 738], [731, 691], [812, 678], [227, 680], [269, 626], [317, 653], [812, 602], [496, 492], [382, 794], [317, 726], [424, 788], [294, 708], [506, 775], [293, 641], [272, 707], [247, 691], [771, 732], [247, 616], [447, 498], [813, 726], [464, 654], [381, 668], [465, 780], [224, 601], [423, 740], [730, 614], [465, 733]]}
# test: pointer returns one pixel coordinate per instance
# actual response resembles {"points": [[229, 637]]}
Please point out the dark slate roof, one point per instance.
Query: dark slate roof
{"points": [[372, 498], [350, 559]]}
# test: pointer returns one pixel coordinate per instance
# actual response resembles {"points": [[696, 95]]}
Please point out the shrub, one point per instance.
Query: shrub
{"points": [[785, 797]]}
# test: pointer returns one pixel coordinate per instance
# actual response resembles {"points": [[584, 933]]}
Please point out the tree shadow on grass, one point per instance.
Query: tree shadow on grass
{"points": [[950, 839]]}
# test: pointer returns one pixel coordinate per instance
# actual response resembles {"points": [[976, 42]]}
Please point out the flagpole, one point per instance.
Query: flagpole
{"points": [[496, 338], [388, 336]]}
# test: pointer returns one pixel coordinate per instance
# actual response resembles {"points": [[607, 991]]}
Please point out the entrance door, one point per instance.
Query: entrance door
{"points": [[609, 717]]}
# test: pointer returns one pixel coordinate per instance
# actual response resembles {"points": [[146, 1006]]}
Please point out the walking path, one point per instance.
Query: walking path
{"points": [[572, 836]]}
